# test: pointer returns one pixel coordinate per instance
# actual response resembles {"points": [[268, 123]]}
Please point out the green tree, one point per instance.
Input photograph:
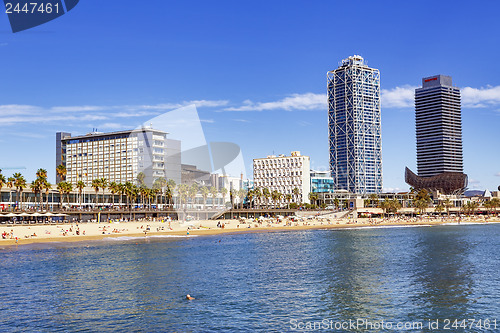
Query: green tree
{"points": [[193, 191], [20, 185], [242, 193], [213, 193], [204, 193], [266, 194], [182, 189], [96, 184], [296, 193], [313, 198], [448, 204], [257, 193], [288, 198], [61, 172], [80, 186], [140, 179], [276, 197]]}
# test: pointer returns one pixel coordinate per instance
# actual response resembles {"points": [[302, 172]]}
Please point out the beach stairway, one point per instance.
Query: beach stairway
{"points": [[220, 213]]}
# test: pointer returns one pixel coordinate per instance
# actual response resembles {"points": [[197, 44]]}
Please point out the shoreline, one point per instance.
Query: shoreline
{"points": [[137, 229]]}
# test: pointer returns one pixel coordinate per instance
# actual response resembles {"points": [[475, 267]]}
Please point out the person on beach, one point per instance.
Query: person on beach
{"points": [[188, 297]]}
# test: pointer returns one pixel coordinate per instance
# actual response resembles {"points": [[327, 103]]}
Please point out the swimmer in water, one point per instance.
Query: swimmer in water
{"points": [[188, 297]]}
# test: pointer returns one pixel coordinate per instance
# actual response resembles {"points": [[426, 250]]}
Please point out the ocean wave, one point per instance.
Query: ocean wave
{"points": [[126, 238], [384, 227]]}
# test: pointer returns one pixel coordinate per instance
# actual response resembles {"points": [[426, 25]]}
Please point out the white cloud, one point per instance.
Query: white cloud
{"points": [[399, 97], [307, 101], [393, 190], [480, 97], [111, 126], [13, 114], [78, 108], [209, 121]]}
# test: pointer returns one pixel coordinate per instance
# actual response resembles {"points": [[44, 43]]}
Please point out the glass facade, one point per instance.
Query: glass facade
{"points": [[354, 123]]}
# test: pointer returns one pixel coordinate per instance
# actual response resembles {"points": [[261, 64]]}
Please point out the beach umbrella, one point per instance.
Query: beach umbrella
{"points": [[37, 214], [11, 215]]}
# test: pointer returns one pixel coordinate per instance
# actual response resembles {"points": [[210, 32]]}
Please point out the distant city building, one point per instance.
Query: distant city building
{"points": [[119, 156], [438, 121], [322, 182], [355, 138], [284, 174]]}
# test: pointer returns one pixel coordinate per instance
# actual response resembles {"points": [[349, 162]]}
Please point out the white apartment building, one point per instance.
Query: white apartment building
{"points": [[118, 156], [283, 174]]}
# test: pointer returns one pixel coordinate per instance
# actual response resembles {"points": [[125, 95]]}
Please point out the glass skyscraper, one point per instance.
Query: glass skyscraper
{"points": [[354, 126], [438, 119]]}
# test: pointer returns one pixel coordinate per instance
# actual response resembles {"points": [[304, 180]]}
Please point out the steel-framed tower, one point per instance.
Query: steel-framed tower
{"points": [[355, 127]]}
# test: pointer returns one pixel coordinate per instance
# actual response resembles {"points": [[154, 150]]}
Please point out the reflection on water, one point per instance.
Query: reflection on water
{"points": [[253, 282]]}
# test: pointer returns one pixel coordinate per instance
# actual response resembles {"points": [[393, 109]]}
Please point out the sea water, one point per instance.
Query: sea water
{"points": [[426, 279]]}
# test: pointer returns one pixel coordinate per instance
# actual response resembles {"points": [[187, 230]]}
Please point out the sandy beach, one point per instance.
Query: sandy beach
{"points": [[18, 235]]}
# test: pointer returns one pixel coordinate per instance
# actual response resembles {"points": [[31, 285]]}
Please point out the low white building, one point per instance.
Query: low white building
{"points": [[284, 174]]}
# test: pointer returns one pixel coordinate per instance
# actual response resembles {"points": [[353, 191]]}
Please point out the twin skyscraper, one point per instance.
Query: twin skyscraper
{"points": [[355, 139]]}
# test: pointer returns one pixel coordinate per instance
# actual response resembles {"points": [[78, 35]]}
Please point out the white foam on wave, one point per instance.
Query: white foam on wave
{"points": [[126, 238], [384, 227]]}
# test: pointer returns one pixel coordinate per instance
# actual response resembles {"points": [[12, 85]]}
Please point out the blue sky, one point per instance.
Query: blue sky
{"points": [[255, 69]]}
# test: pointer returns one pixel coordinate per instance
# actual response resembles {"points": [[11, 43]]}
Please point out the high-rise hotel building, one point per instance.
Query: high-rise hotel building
{"points": [[355, 127], [438, 121], [119, 156], [284, 174]]}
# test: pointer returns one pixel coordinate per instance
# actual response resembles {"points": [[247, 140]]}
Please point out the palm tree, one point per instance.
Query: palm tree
{"points": [[257, 193], [204, 193], [374, 199], [313, 197], [168, 195], [103, 183], [140, 178], [266, 194], [128, 190], [192, 192], [20, 184], [422, 201], [439, 208], [36, 187], [80, 186], [250, 196], [288, 198], [213, 193], [241, 195], [223, 191], [61, 172], [336, 203], [183, 192], [296, 193], [448, 204], [143, 190], [68, 187], [41, 173], [3, 181], [170, 190], [47, 187], [10, 185], [113, 188], [96, 184], [61, 187], [275, 196]]}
